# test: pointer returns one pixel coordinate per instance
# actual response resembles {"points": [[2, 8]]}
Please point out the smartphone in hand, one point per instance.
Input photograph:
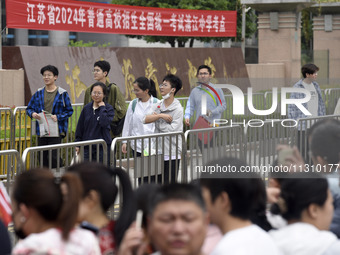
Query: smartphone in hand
{"points": [[139, 219]]}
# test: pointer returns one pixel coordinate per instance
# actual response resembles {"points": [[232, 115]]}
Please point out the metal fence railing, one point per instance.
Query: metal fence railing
{"points": [[33, 157], [17, 131], [6, 131], [303, 132], [331, 99], [72, 122], [149, 155], [24, 129], [205, 145], [263, 137], [11, 164], [256, 143]]}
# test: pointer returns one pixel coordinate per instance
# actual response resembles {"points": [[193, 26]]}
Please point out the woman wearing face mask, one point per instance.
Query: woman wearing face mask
{"points": [[168, 117], [94, 122], [45, 211], [146, 94]]}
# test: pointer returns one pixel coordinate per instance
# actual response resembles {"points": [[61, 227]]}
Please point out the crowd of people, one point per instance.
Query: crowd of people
{"points": [[106, 116], [218, 213]]}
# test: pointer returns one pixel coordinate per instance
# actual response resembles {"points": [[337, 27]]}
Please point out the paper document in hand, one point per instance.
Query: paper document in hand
{"points": [[47, 126]]}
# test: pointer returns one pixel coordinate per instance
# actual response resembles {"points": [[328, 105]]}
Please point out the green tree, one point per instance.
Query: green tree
{"points": [[307, 28], [194, 5], [81, 43]]}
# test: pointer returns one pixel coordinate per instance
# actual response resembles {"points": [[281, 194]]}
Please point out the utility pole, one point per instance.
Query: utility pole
{"points": [[243, 35]]}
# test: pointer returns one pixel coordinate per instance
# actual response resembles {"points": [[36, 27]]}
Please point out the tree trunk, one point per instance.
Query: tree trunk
{"points": [[172, 43], [181, 44], [191, 42]]}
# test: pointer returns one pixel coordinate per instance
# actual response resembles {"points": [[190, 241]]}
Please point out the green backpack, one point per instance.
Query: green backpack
{"points": [[134, 103]]}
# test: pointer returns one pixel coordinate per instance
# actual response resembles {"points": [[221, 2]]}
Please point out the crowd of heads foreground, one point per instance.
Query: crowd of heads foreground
{"points": [[218, 213]]}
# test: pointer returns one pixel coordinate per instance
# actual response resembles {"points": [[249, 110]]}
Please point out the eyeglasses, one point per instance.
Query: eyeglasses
{"points": [[96, 71], [163, 85], [96, 93], [203, 73]]}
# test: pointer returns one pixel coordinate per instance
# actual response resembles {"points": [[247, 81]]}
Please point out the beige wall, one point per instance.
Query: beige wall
{"points": [[327, 41], [12, 88], [282, 45], [266, 76]]}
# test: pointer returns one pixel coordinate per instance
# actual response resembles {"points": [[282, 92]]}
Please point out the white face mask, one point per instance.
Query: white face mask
{"points": [[166, 96]]}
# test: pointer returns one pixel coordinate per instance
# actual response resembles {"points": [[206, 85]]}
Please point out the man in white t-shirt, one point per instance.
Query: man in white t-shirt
{"points": [[315, 105], [233, 201]]}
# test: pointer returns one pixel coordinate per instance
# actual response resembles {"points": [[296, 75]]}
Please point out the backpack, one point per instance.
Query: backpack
{"points": [[134, 103], [116, 126]]}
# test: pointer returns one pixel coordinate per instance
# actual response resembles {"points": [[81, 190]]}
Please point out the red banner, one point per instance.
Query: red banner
{"points": [[118, 19]]}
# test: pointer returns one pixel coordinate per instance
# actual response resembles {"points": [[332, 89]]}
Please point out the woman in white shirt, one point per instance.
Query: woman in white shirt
{"points": [[45, 211], [146, 94], [307, 205]]}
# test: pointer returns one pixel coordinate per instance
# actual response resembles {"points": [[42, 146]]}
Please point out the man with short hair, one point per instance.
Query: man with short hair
{"points": [[114, 98], [168, 117], [233, 201], [216, 104], [52, 100], [178, 221], [315, 105]]}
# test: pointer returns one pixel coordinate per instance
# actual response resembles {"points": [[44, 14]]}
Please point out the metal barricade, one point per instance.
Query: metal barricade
{"points": [[258, 102], [228, 113], [302, 133], [72, 122], [24, 130], [268, 99], [11, 164], [6, 133], [263, 137], [331, 99], [33, 157], [207, 144], [148, 164], [323, 94]]}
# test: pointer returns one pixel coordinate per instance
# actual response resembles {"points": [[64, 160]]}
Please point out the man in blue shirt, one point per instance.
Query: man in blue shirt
{"points": [[215, 102], [55, 101]]}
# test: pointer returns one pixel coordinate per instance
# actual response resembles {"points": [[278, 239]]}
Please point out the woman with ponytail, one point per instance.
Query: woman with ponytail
{"points": [[100, 193], [45, 211], [145, 91], [307, 205]]}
